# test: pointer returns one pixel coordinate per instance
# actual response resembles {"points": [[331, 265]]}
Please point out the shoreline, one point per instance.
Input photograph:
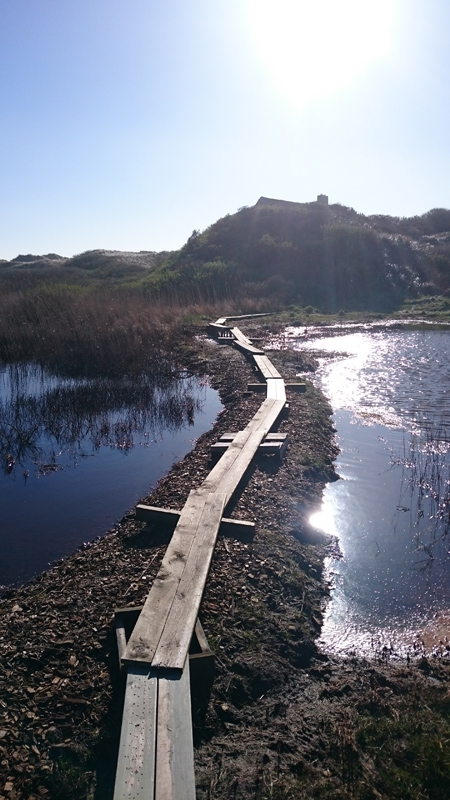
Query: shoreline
{"points": [[281, 714]]}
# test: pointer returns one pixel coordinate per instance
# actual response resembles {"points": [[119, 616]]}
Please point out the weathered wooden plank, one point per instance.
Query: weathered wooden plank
{"points": [[175, 778], [146, 634], [273, 440], [170, 517], [245, 344], [162, 516], [239, 454], [274, 448], [201, 637], [257, 387], [276, 389], [135, 777], [239, 336], [266, 368], [217, 327], [173, 645], [296, 387], [121, 638], [249, 349], [228, 437]]}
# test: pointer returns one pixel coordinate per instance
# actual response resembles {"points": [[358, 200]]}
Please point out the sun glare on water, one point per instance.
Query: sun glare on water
{"points": [[312, 49]]}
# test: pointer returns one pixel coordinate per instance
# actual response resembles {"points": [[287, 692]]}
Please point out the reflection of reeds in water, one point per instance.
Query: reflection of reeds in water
{"points": [[426, 479], [104, 411]]}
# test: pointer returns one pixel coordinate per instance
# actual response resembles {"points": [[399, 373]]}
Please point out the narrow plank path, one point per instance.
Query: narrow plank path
{"points": [[156, 752]]}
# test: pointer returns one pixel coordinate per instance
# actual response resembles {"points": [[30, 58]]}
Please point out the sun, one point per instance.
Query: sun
{"points": [[314, 47]]}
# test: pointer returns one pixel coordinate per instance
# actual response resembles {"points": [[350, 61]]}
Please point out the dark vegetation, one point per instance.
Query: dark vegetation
{"points": [[329, 257], [107, 312]]}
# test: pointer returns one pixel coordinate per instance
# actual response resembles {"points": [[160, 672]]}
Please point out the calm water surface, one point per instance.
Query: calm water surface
{"points": [[390, 510], [84, 453]]}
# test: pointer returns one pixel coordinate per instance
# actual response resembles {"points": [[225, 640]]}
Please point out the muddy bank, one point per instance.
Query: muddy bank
{"points": [[281, 719]]}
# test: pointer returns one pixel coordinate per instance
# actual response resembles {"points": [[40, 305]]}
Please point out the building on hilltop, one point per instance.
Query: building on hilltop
{"points": [[322, 200]]}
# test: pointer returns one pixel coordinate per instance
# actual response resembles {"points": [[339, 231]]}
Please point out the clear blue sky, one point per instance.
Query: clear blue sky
{"points": [[125, 124]]}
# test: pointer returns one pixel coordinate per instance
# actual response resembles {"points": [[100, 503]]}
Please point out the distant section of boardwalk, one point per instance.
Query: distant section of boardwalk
{"points": [[156, 754]]}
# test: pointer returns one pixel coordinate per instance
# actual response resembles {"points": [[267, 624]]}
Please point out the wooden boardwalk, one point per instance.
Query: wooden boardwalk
{"points": [[156, 753]]}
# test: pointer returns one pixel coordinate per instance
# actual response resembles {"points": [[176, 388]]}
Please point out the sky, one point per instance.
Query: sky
{"points": [[127, 124]]}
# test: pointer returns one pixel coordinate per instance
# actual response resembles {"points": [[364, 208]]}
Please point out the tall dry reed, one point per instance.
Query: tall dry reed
{"points": [[109, 330]]}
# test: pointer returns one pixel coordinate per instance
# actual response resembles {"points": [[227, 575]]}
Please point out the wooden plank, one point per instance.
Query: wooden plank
{"points": [[146, 634], [239, 454], [217, 327], [173, 645], [168, 516], [276, 389], [228, 437], [249, 349], [175, 778], [162, 516], [245, 344], [120, 637], [274, 448], [201, 638], [135, 776], [257, 387], [224, 442], [266, 367], [132, 612], [296, 387], [239, 336]]}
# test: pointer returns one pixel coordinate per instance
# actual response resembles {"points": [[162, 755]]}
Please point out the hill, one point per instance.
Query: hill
{"points": [[327, 256], [83, 269]]}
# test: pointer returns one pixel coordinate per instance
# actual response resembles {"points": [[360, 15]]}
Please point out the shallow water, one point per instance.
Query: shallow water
{"points": [[390, 510], [84, 453]]}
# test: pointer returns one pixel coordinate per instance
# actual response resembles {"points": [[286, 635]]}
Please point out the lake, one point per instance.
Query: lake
{"points": [[76, 455], [390, 510]]}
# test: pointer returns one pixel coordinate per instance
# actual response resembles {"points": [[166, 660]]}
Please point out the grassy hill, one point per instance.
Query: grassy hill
{"points": [[312, 254]]}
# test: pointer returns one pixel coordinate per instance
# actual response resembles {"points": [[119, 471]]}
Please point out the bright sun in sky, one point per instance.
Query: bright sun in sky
{"points": [[314, 47]]}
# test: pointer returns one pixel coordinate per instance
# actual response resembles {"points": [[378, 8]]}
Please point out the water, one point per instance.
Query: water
{"points": [[76, 455], [390, 510]]}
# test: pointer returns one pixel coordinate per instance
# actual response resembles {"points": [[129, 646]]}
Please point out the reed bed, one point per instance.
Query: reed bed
{"points": [[102, 330], [426, 485]]}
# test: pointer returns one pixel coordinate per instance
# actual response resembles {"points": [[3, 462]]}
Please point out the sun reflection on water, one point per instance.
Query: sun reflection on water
{"points": [[390, 396], [324, 520]]}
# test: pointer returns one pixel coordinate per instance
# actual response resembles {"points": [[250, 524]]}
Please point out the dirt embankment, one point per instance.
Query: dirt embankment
{"points": [[281, 720]]}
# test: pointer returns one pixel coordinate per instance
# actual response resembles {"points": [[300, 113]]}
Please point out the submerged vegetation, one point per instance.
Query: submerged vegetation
{"points": [[41, 417]]}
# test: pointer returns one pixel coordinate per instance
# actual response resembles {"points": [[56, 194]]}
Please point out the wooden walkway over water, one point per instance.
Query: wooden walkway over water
{"points": [[156, 750]]}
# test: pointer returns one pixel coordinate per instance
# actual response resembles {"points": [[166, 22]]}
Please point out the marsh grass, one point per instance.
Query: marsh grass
{"points": [[76, 331], [104, 329], [425, 462]]}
